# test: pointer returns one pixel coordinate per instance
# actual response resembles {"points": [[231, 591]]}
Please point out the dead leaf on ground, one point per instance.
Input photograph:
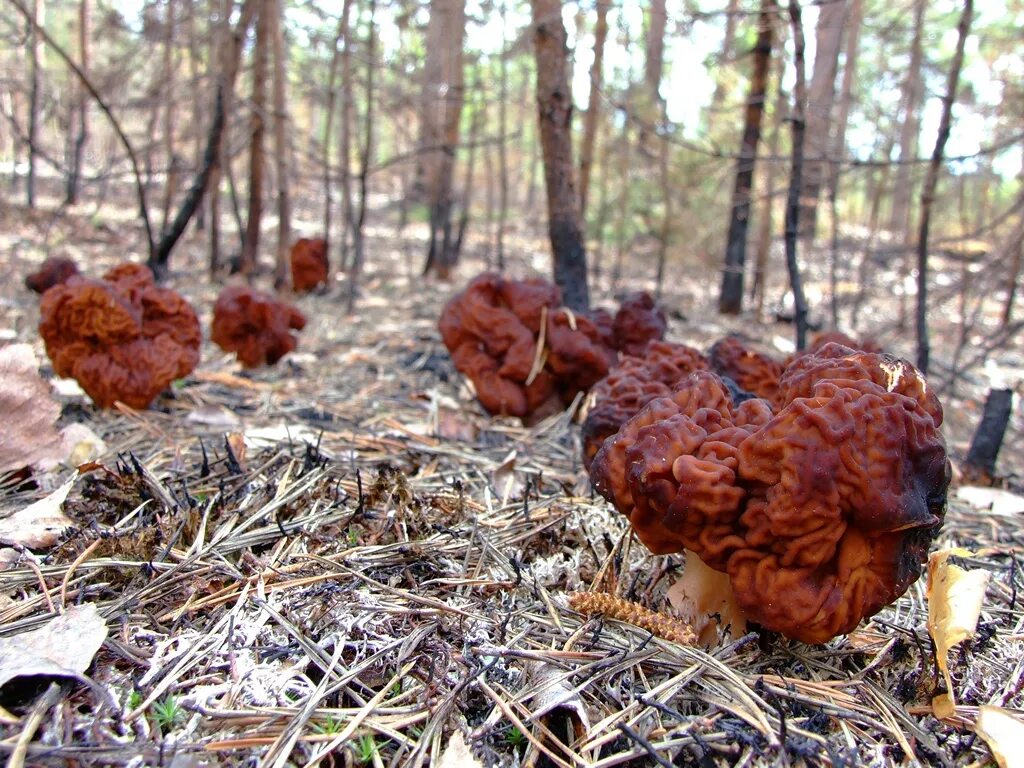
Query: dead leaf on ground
{"points": [[508, 484], [214, 416], [41, 523], [995, 501], [63, 647], [453, 425], [457, 754], [27, 411], [1003, 733], [955, 596]]}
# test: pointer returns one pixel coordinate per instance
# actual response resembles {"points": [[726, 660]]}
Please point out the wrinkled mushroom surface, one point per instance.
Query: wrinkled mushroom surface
{"points": [[752, 371], [821, 514], [122, 338], [255, 326], [309, 263], [55, 270], [638, 322]]}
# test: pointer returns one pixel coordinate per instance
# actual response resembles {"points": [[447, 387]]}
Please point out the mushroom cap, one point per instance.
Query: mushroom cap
{"points": [[254, 325], [121, 338], [821, 514], [638, 321], [751, 370], [53, 271], [309, 264], [631, 384]]}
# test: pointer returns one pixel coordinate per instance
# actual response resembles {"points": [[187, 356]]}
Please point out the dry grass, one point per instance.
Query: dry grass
{"points": [[387, 567]]}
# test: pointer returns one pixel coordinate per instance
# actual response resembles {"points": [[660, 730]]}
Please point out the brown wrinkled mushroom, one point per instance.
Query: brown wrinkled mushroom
{"points": [[121, 338], [255, 326], [310, 265], [518, 347], [821, 515], [752, 371], [633, 383], [55, 270], [638, 322]]}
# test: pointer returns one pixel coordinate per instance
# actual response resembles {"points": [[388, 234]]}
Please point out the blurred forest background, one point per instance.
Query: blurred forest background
{"points": [[893, 129]]}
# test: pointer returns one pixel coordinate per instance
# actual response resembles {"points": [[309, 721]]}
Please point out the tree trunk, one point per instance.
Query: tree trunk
{"points": [[911, 102], [167, 96], [764, 227], [980, 464], [80, 115], [502, 139], [35, 95], [220, 44], [194, 60], [475, 126], [251, 243], [854, 21], [732, 13], [654, 62], [282, 147], [820, 97], [366, 157], [1015, 250], [591, 121], [443, 96], [795, 178], [931, 182], [730, 299], [554, 104], [348, 215], [330, 109]]}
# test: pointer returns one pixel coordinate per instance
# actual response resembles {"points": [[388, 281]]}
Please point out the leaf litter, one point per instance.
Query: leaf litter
{"points": [[342, 561]]}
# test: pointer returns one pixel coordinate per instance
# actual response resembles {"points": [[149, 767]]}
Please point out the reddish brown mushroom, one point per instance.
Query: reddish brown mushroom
{"points": [[55, 270], [121, 338], [255, 326], [310, 265], [638, 322], [751, 370], [633, 383], [820, 515]]}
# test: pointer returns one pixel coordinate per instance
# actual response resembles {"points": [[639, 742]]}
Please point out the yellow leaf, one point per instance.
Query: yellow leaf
{"points": [[955, 597], [1004, 735]]}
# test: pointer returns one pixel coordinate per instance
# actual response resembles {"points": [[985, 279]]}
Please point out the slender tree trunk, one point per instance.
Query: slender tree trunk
{"points": [[366, 158], [911, 102], [443, 96], [602, 206], [820, 97], [35, 95], [220, 43], [931, 182], [554, 104], [348, 215], [665, 236], [194, 58], [475, 126], [168, 90], [732, 13], [855, 19], [261, 51], [730, 300], [796, 178], [1015, 250], [876, 192], [625, 202], [764, 227], [502, 139], [282, 148], [329, 121], [592, 119], [80, 115]]}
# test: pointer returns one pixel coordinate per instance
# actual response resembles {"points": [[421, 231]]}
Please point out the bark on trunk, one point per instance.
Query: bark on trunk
{"points": [[554, 105], [251, 243], [820, 98], [591, 121], [730, 300], [931, 182], [282, 148], [980, 464], [80, 116], [348, 215], [365, 159], [35, 95], [795, 178]]}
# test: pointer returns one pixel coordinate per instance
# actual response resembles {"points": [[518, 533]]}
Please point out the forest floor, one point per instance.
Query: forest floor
{"points": [[377, 573]]}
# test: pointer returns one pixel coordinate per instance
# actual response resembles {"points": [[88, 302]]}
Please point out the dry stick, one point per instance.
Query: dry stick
{"points": [[140, 190], [931, 181], [796, 177]]}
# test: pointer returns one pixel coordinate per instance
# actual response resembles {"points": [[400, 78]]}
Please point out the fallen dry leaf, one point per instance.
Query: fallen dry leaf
{"points": [[27, 411], [955, 597], [39, 524], [214, 416], [453, 425], [63, 647], [457, 754], [1003, 733], [508, 484]]}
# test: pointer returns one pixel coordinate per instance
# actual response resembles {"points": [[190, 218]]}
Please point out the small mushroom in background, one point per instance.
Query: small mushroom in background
{"points": [[751, 370], [121, 338], [55, 270], [309, 263], [631, 384], [835, 337], [254, 325], [821, 515], [637, 322]]}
